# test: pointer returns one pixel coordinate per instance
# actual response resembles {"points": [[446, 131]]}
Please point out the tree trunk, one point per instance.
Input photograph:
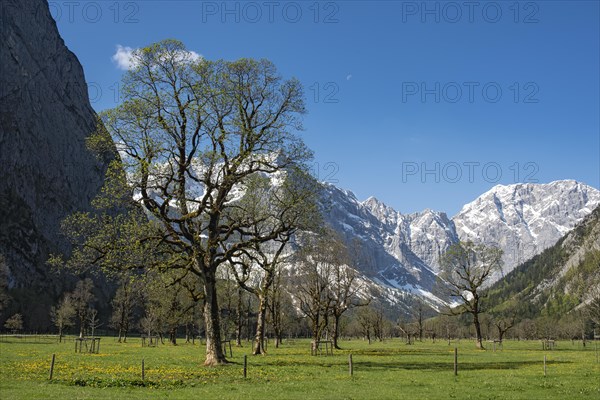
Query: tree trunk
{"points": [[239, 322], [214, 350], [248, 311], [336, 331], [315, 334], [478, 331], [122, 322], [420, 324], [277, 329], [260, 326]]}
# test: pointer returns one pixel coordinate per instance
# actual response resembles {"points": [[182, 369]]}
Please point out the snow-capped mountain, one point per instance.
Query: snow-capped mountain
{"points": [[524, 219], [402, 251]]}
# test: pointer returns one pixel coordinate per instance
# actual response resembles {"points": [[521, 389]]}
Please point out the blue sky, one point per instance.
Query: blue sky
{"points": [[422, 105]]}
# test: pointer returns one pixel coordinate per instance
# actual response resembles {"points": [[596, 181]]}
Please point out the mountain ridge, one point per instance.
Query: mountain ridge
{"points": [[403, 250]]}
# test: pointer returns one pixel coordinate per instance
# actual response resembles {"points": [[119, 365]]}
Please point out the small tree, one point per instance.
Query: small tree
{"points": [[527, 329], [409, 329], [149, 323], [229, 300], [593, 309], [62, 316], [274, 306], [503, 323], [379, 322], [269, 263], [126, 299], [345, 284], [569, 326], [313, 282], [168, 303], [546, 328], [365, 318], [447, 327], [581, 320], [418, 315], [239, 316], [281, 309], [93, 321], [282, 208], [465, 269], [81, 298], [14, 323]]}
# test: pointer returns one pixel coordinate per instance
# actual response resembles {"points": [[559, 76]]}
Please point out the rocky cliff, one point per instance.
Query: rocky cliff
{"points": [[46, 171]]}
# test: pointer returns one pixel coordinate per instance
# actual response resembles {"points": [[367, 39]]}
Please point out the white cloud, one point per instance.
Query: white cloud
{"points": [[195, 56], [123, 57]]}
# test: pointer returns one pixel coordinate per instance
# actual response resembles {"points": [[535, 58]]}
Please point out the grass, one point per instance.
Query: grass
{"points": [[387, 370]]}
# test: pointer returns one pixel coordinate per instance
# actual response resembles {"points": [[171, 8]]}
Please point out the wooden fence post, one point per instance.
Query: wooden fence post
{"points": [[143, 370], [350, 366], [544, 365], [455, 361], [52, 366], [245, 365]]}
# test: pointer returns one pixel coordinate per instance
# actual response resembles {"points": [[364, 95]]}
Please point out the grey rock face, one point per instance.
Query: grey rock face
{"points": [[431, 233], [393, 247], [45, 116]]}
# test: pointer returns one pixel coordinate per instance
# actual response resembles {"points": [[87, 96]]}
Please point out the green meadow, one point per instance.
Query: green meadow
{"points": [[382, 370]]}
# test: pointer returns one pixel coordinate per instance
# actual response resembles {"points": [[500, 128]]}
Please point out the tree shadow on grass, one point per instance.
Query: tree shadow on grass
{"points": [[448, 366], [401, 352], [28, 341]]}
